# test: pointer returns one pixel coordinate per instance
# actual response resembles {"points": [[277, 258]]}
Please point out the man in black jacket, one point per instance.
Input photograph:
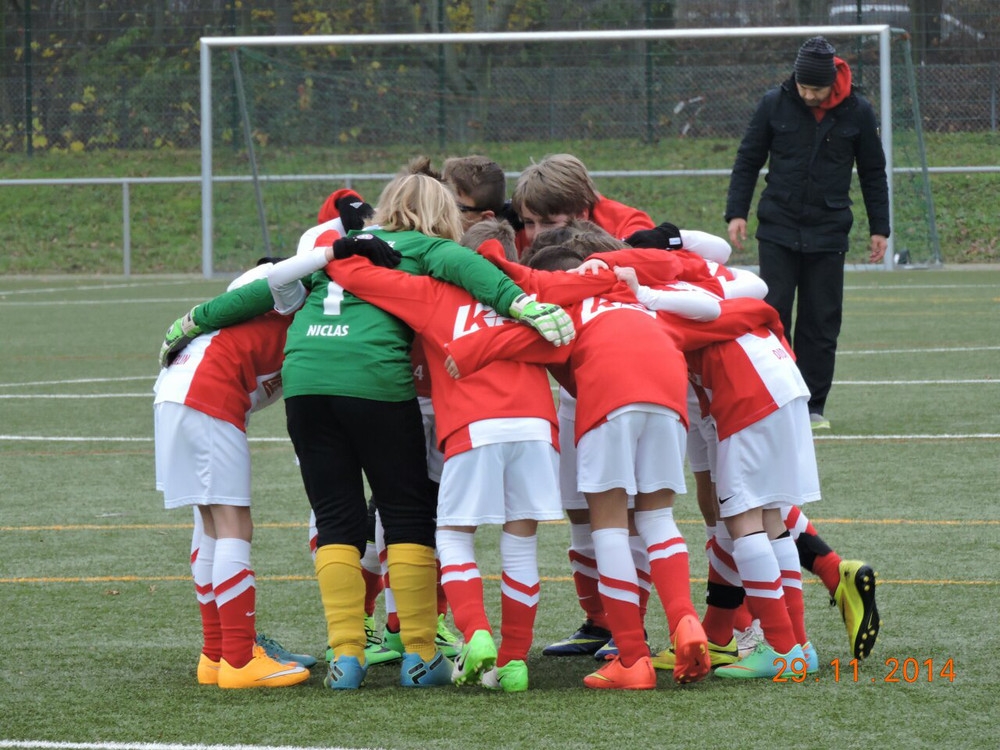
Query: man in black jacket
{"points": [[812, 129]]}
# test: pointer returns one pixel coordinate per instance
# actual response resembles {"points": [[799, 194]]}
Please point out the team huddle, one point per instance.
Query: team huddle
{"points": [[415, 345]]}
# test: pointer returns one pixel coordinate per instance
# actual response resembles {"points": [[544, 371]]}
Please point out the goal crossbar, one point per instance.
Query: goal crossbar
{"points": [[208, 43]]}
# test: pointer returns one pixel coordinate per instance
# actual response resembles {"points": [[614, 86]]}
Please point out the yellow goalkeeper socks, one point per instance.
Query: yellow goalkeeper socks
{"points": [[413, 572], [342, 589]]}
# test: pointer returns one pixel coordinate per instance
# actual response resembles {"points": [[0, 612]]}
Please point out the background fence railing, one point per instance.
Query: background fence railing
{"points": [[350, 179]]}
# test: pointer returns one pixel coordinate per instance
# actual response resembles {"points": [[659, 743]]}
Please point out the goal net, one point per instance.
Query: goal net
{"points": [[656, 115]]}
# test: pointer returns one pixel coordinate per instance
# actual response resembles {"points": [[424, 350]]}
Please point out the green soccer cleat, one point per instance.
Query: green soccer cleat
{"points": [[818, 422], [448, 642], [719, 655], [279, 653], [763, 662], [584, 642], [512, 677], [855, 598], [747, 640], [377, 652], [478, 655], [392, 640], [812, 658]]}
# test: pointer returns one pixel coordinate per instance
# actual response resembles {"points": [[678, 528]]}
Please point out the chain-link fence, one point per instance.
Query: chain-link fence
{"points": [[555, 102], [129, 92]]}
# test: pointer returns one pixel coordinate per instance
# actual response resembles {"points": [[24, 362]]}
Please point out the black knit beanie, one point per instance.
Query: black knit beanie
{"points": [[814, 64]]}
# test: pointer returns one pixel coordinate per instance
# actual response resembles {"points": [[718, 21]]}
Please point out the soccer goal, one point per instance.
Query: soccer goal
{"points": [[315, 100]]}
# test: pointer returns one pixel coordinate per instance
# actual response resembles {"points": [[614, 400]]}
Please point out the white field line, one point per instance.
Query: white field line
{"points": [[43, 745], [933, 350], [817, 438], [148, 283], [842, 353], [122, 439], [99, 287], [78, 381], [74, 302], [73, 395], [81, 396]]}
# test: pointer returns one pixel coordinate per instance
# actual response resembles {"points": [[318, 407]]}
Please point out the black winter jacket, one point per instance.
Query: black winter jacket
{"points": [[805, 205]]}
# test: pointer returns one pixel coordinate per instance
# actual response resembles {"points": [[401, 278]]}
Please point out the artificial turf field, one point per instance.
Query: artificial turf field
{"points": [[99, 630]]}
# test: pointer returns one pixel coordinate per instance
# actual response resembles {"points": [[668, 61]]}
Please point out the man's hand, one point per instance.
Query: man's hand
{"points": [[878, 248], [551, 321], [737, 232], [178, 336], [354, 212], [377, 250], [665, 237]]}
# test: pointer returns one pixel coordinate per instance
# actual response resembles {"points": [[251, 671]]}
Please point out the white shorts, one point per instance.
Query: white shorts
{"points": [[435, 458], [702, 442], [640, 449], [770, 464], [200, 460], [572, 499], [500, 482], [702, 439]]}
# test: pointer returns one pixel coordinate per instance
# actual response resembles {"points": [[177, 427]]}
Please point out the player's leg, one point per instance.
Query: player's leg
{"points": [[202, 560], [472, 494], [531, 494], [446, 641], [394, 458], [659, 467], [605, 457], [744, 478], [593, 634]]}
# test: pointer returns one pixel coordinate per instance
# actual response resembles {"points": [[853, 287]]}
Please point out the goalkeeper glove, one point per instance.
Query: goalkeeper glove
{"points": [[551, 321], [178, 336], [377, 250], [354, 212]]}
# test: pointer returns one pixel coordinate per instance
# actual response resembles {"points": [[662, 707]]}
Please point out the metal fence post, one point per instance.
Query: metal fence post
{"points": [[126, 230]]}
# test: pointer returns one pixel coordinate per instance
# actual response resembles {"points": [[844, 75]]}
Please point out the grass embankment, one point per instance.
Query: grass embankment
{"points": [[79, 229]]}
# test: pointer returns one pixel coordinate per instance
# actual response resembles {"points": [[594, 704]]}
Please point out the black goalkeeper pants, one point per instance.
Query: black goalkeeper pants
{"points": [[340, 441]]}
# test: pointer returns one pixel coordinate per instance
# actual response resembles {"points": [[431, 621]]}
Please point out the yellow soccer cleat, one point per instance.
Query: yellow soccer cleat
{"points": [[855, 598], [261, 671], [208, 671]]}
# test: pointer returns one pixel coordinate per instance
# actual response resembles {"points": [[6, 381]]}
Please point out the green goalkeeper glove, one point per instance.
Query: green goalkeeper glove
{"points": [[551, 321], [178, 336]]}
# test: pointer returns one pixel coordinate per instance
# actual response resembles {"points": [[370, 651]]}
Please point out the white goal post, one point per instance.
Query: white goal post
{"points": [[208, 44]]}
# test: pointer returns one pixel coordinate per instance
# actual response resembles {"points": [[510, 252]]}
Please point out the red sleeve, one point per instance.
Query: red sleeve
{"points": [[740, 315], [555, 287], [411, 298], [519, 343], [655, 267]]}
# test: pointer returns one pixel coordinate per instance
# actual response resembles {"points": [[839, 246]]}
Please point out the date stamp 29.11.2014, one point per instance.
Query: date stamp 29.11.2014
{"points": [[897, 670]]}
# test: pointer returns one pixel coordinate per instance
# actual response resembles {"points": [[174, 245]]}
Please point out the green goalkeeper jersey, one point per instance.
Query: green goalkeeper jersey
{"points": [[340, 345]]}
